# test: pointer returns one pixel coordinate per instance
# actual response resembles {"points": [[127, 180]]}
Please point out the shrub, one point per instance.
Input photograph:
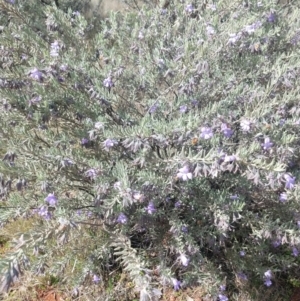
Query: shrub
{"points": [[167, 139]]}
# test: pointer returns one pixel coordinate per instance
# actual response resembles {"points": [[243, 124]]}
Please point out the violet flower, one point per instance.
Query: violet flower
{"points": [[223, 298], [210, 30], [184, 260], [245, 125], [122, 218], [268, 274], [206, 133], [54, 49], [63, 67], [252, 28], [242, 253], [283, 197], [230, 159], [176, 284], [184, 173], [107, 83], [271, 18], [84, 141], [109, 143], [184, 229], [267, 278], [276, 243], [233, 38], [96, 279], [91, 173], [290, 181], [98, 125], [43, 212], [267, 144], [242, 276], [295, 252], [151, 208], [227, 132], [222, 287], [36, 75], [153, 108], [189, 8], [183, 109], [268, 282], [51, 199]]}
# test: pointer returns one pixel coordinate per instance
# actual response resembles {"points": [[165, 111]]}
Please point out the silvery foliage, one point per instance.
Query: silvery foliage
{"points": [[99, 125]]}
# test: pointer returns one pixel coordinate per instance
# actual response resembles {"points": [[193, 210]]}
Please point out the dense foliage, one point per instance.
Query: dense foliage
{"points": [[163, 141]]}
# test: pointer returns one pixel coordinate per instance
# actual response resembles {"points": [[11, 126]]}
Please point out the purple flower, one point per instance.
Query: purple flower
{"points": [[271, 18], [242, 276], [267, 278], [43, 212], [234, 197], [210, 30], [276, 243], [35, 100], [98, 125], [176, 284], [268, 282], [153, 108], [226, 130], [151, 208], [184, 229], [231, 158], [107, 83], [36, 75], [194, 103], [54, 49], [223, 298], [84, 141], [233, 38], [184, 260], [282, 122], [251, 28], [290, 181], [109, 143], [268, 274], [212, 7], [283, 197], [96, 279], [91, 173], [189, 8], [63, 67], [222, 287], [267, 144], [242, 253], [177, 204], [67, 162], [141, 35], [298, 224], [122, 218], [295, 252], [183, 109], [184, 173], [51, 199], [206, 133], [245, 125]]}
